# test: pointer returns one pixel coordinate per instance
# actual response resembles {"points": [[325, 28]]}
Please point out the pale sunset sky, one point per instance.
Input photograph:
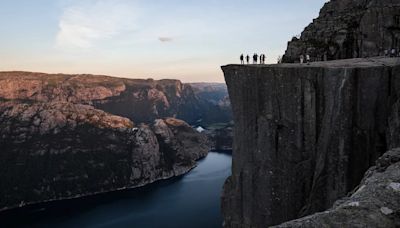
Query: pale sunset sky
{"points": [[182, 39]]}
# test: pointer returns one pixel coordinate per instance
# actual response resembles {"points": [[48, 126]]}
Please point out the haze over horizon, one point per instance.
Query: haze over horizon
{"points": [[187, 40]]}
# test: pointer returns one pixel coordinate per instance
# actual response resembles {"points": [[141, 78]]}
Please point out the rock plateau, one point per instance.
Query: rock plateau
{"points": [[305, 135]]}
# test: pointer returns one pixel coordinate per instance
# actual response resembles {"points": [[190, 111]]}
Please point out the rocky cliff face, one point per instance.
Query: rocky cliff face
{"points": [[216, 93], [221, 136], [220, 131], [305, 135], [214, 99], [349, 29], [56, 143], [374, 203]]}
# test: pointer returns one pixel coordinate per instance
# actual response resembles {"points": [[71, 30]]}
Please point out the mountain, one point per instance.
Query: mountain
{"points": [[349, 29], [136, 99], [307, 135], [220, 130], [216, 93], [214, 100], [68, 136]]}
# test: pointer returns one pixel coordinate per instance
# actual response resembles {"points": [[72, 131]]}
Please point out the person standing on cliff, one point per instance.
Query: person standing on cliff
{"points": [[241, 59], [301, 59], [255, 58], [386, 52], [393, 53], [308, 59], [248, 59]]}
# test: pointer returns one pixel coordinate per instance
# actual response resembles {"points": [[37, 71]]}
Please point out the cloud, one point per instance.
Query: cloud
{"points": [[165, 39], [84, 24]]}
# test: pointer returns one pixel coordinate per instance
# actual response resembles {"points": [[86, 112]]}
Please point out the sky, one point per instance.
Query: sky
{"points": [[181, 39]]}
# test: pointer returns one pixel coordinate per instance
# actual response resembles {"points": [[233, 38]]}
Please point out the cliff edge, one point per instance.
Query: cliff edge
{"points": [[305, 135]]}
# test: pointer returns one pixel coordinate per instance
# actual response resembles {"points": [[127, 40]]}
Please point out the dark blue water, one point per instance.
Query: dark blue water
{"points": [[192, 200]]}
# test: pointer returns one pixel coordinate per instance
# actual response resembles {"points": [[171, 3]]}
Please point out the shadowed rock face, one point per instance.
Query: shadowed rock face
{"points": [[349, 29], [55, 144], [375, 203], [219, 134], [214, 95], [305, 135]]}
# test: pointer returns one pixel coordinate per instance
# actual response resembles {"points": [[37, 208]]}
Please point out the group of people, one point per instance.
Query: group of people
{"points": [[303, 58], [392, 53], [256, 58], [307, 59]]}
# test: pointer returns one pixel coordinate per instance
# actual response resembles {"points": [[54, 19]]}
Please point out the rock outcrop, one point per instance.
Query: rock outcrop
{"points": [[305, 135], [56, 143], [375, 203], [349, 29]]}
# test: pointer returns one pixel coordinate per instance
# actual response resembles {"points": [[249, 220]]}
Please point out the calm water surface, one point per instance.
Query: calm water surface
{"points": [[189, 201]]}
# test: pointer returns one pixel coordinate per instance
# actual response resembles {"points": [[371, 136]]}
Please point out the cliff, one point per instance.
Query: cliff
{"points": [[375, 203], [56, 142], [349, 29], [305, 135]]}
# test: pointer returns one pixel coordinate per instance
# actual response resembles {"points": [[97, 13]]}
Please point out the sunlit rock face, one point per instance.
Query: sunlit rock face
{"points": [[56, 143], [305, 135], [136, 99], [349, 29]]}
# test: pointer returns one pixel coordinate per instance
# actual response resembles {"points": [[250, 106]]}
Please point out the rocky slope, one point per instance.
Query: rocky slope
{"points": [[220, 136], [216, 93], [306, 134], [214, 100], [220, 130], [56, 143], [349, 29], [375, 203]]}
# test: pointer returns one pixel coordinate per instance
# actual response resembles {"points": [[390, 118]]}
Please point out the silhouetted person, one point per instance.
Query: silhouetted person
{"points": [[393, 53], [241, 59], [255, 58], [263, 58], [248, 59]]}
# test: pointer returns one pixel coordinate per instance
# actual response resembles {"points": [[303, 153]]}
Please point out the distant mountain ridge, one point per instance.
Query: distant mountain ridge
{"points": [[137, 99]]}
